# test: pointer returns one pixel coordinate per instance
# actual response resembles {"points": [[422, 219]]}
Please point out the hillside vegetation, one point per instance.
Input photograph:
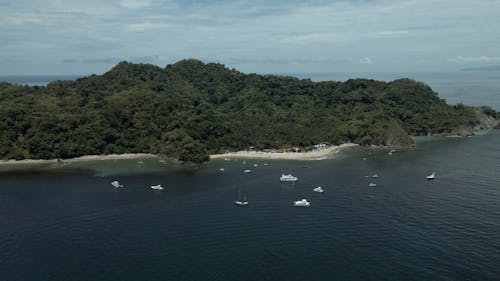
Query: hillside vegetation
{"points": [[189, 110]]}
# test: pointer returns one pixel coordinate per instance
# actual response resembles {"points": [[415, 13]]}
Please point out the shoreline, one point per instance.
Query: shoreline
{"points": [[124, 156], [310, 155]]}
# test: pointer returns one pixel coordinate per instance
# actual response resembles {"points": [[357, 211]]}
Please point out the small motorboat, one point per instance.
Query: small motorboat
{"points": [[318, 189], [265, 164], [391, 152], [372, 184], [288, 177], [140, 163], [375, 176], [431, 176], [301, 203], [247, 171], [221, 169], [157, 187], [256, 165], [116, 184]]}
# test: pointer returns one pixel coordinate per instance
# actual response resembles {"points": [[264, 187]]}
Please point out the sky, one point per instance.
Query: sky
{"points": [[273, 36]]}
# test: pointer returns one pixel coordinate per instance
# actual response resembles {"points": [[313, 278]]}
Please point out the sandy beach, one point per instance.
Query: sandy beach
{"points": [[310, 155], [81, 159]]}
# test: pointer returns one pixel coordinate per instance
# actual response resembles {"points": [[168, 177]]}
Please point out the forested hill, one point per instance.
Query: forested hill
{"points": [[189, 110]]}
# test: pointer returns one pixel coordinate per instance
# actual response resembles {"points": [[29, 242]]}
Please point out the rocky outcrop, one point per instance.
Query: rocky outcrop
{"points": [[485, 122]]}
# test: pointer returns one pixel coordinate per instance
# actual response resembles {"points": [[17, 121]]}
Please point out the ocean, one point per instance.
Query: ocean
{"points": [[66, 221]]}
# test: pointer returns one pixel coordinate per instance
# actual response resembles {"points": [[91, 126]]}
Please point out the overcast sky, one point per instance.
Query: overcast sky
{"points": [[273, 36]]}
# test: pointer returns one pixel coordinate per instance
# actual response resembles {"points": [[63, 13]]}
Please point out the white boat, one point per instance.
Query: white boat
{"points": [[256, 165], [116, 184], [247, 171], [391, 152], [265, 164], [431, 176], [375, 176], [227, 159], [157, 187], [301, 203], [372, 184], [221, 169], [140, 162], [318, 189], [240, 201], [288, 178]]}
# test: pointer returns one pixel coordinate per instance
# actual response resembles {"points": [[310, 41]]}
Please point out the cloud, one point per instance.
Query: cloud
{"points": [[391, 33], [365, 61], [143, 26], [479, 59], [138, 4], [110, 60], [69, 61], [311, 34]]}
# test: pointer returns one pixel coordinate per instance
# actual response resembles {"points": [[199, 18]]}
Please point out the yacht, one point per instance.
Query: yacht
{"points": [[318, 189], [301, 203], [157, 187], [116, 184], [247, 171], [431, 176], [372, 184], [375, 176], [288, 178], [240, 201]]}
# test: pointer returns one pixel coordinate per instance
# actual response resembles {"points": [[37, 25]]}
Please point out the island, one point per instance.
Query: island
{"points": [[190, 110]]}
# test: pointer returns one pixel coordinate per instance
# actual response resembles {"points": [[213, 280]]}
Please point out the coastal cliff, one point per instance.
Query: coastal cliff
{"points": [[189, 110]]}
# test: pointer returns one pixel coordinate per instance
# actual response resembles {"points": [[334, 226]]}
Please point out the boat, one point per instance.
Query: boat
{"points": [[375, 176], [116, 184], [221, 169], [265, 164], [288, 178], [240, 201], [227, 159], [157, 187], [431, 176], [318, 189], [301, 203], [372, 184], [247, 171], [140, 162], [256, 165], [391, 152]]}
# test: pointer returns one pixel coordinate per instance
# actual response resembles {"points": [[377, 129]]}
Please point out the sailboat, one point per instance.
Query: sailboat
{"points": [[241, 202]]}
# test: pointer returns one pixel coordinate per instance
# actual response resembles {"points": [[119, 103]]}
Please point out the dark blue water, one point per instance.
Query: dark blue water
{"points": [[69, 223]]}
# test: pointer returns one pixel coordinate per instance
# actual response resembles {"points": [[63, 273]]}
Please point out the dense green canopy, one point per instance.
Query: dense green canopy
{"points": [[191, 109]]}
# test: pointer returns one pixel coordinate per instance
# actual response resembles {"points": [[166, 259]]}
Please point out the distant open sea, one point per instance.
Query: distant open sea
{"points": [[62, 222]]}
